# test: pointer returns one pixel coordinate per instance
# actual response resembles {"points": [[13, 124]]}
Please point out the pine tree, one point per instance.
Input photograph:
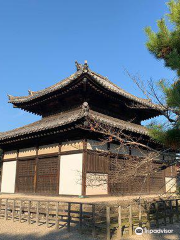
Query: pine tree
{"points": [[165, 44]]}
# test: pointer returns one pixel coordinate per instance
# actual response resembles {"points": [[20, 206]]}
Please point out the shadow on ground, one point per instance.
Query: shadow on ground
{"points": [[54, 235]]}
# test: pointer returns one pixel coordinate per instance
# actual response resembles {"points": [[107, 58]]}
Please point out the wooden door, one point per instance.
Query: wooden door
{"points": [[48, 175], [25, 180]]}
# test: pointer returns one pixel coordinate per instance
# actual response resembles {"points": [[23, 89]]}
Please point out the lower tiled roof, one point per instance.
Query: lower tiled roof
{"points": [[44, 124], [63, 119]]}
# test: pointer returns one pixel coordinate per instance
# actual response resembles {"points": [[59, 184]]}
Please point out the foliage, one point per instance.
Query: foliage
{"points": [[169, 137], [165, 45]]}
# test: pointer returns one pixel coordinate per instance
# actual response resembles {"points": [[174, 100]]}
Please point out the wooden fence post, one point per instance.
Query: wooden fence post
{"points": [[6, 209], [69, 217], [57, 215], [140, 215], [29, 212], [165, 213], [157, 214], [177, 210], [93, 220], [148, 216], [130, 221], [80, 217], [108, 221], [13, 210], [20, 211], [37, 213], [47, 214], [171, 212], [119, 222]]}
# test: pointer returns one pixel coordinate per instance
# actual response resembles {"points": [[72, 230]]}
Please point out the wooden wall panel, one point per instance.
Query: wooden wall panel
{"points": [[47, 175], [25, 180], [171, 171], [97, 163], [157, 182]]}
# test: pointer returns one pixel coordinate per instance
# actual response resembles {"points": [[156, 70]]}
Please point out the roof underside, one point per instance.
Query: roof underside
{"points": [[60, 120], [97, 78]]}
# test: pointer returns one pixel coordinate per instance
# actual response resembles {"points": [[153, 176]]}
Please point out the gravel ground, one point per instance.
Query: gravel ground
{"points": [[94, 199], [22, 231]]}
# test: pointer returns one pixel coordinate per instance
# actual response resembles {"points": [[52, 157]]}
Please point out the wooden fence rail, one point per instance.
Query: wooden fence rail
{"points": [[95, 218]]}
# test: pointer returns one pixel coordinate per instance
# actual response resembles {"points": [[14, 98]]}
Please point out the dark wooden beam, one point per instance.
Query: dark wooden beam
{"points": [[84, 167]]}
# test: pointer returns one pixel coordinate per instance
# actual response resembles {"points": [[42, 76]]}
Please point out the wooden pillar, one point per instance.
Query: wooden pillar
{"points": [[84, 167], [36, 166], [109, 164], [17, 166], [59, 165], [164, 180], [1, 166]]}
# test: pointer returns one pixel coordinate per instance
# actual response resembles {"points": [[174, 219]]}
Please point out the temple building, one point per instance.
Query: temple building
{"points": [[59, 153]]}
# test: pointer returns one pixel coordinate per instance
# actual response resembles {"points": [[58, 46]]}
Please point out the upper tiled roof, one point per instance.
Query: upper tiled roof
{"points": [[55, 121], [84, 69]]}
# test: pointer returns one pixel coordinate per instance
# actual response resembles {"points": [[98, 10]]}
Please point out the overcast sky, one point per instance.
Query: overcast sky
{"points": [[41, 39]]}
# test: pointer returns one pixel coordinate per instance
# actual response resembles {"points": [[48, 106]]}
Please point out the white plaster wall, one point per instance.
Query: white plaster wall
{"points": [[52, 148], [96, 184], [119, 149], [136, 151], [26, 152], [70, 174], [170, 184], [8, 177], [96, 145], [10, 154], [72, 145], [169, 157]]}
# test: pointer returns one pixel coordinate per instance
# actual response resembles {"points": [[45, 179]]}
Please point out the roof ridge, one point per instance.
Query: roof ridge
{"points": [[84, 69]]}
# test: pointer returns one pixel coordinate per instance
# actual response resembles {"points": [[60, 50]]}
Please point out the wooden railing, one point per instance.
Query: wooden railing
{"points": [[93, 218]]}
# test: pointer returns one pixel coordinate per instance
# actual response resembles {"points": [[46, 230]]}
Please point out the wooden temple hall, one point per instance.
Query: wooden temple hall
{"points": [[59, 153]]}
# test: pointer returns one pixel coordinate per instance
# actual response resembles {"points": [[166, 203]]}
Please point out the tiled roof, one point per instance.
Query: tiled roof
{"points": [[62, 119], [84, 69], [44, 124], [121, 124]]}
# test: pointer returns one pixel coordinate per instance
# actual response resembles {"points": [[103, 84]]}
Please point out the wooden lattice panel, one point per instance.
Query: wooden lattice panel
{"points": [[157, 182], [26, 176], [47, 175], [139, 184]]}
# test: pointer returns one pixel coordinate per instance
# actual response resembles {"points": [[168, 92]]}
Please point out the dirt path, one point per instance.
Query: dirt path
{"points": [[115, 200], [22, 231]]}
